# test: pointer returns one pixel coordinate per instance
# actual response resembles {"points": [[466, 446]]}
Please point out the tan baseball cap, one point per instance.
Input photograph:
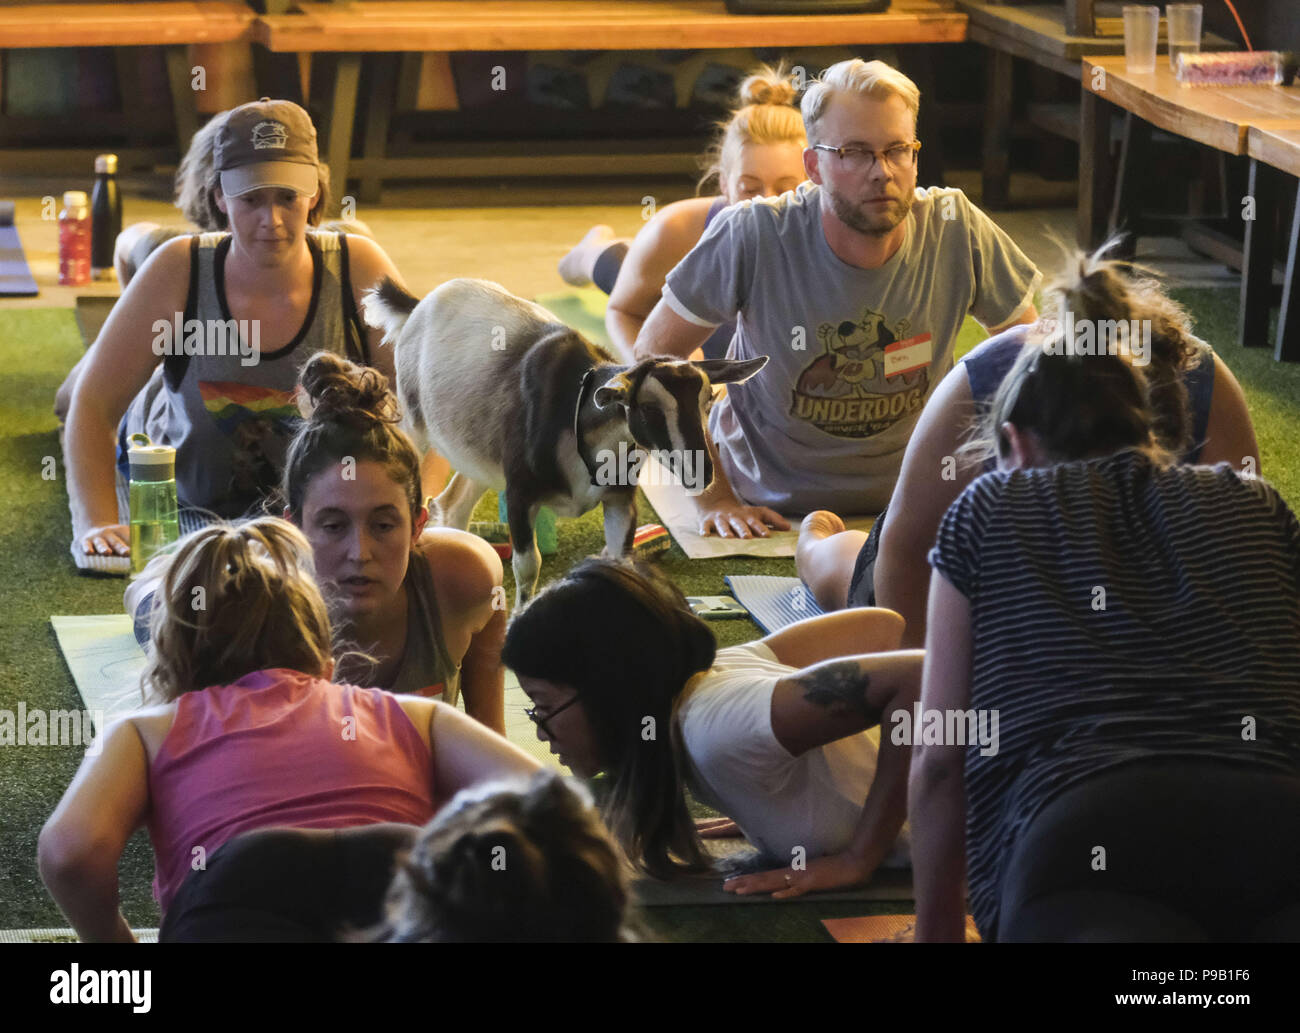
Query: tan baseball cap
{"points": [[268, 143]]}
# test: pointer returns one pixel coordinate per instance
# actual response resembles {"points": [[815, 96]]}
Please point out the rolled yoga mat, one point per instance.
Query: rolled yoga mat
{"points": [[15, 274]]}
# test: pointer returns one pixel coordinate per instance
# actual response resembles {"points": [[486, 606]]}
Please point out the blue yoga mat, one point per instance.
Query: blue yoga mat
{"points": [[15, 274], [773, 602]]}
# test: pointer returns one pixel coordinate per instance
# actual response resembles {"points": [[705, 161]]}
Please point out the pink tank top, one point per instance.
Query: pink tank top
{"points": [[279, 747]]}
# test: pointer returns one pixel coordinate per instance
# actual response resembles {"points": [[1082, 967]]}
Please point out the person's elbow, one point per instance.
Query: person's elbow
{"points": [[932, 770], [67, 858]]}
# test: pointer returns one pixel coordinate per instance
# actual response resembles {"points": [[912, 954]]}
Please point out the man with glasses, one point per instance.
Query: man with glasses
{"points": [[855, 285]]}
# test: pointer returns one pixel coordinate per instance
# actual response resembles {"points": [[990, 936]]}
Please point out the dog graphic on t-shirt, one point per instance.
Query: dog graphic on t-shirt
{"points": [[845, 390]]}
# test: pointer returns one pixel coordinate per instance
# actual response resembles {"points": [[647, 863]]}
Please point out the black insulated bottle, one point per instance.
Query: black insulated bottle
{"points": [[105, 217]]}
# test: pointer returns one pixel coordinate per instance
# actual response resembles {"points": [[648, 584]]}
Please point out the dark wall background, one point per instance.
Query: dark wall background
{"points": [[1272, 24]]}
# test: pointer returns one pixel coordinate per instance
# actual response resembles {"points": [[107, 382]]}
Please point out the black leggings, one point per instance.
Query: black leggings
{"points": [[1194, 851], [862, 585], [287, 885], [605, 270]]}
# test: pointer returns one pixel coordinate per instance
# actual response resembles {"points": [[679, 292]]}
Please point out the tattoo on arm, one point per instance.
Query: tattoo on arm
{"points": [[843, 682]]}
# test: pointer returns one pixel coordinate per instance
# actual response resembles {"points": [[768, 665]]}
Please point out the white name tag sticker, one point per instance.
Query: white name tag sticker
{"points": [[906, 356]]}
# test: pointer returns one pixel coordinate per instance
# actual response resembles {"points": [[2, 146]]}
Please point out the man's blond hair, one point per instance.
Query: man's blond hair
{"points": [[873, 79]]}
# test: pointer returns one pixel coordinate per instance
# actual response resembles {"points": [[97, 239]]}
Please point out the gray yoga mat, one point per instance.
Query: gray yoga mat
{"points": [[92, 311], [15, 274]]}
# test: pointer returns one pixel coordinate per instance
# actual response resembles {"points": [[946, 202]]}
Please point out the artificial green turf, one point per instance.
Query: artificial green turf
{"points": [[37, 347]]}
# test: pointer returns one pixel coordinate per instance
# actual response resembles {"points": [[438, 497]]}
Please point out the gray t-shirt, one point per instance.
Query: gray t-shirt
{"points": [[854, 352]]}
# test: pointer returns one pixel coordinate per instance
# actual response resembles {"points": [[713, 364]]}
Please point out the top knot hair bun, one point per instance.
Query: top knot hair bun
{"points": [[338, 390], [767, 86]]}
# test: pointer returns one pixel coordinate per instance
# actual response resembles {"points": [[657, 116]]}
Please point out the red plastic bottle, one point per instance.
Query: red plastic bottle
{"points": [[74, 240]]}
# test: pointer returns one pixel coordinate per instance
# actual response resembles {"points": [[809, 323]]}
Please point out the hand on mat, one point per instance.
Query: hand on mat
{"points": [[107, 540], [731, 517], [717, 828], [833, 872]]}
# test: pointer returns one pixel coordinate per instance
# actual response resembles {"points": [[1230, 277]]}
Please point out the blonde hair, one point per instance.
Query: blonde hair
{"points": [[197, 181], [234, 599], [1080, 405], [873, 79], [764, 114]]}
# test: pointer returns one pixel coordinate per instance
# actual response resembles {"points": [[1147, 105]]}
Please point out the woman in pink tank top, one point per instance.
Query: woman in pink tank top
{"points": [[246, 731]]}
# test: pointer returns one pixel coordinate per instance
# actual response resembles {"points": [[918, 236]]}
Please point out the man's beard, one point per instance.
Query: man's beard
{"points": [[879, 223]]}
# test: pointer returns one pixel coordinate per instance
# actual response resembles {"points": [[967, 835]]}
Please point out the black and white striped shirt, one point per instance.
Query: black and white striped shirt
{"points": [[1118, 612]]}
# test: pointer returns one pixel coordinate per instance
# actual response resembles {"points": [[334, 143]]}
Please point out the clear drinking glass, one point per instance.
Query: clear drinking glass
{"points": [[1184, 24], [1141, 29]]}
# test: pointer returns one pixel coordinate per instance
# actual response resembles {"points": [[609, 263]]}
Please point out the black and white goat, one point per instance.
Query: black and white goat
{"points": [[517, 400]]}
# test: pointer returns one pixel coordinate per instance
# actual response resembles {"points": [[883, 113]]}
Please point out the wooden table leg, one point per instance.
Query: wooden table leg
{"points": [[1095, 167], [343, 111], [1288, 317], [184, 109], [383, 99], [1134, 168], [997, 131], [1257, 258]]}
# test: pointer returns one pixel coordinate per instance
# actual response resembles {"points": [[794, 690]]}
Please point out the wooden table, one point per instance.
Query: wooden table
{"points": [[1040, 34], [1219, 117], [172, 25], [385, 26], [1276, 149]]}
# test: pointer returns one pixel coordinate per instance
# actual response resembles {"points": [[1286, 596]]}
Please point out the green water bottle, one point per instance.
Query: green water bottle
{"points": [[154, 523]]}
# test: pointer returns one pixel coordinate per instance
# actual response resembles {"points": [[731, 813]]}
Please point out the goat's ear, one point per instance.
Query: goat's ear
{"points": [[730, 371], [614, 392]]}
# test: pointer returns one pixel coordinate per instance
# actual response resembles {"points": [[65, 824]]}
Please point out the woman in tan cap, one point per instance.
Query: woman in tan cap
{"points": [[203, 350]]}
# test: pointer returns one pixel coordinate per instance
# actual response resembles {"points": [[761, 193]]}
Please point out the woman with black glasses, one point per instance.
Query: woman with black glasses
{"points": [[627, 681]]}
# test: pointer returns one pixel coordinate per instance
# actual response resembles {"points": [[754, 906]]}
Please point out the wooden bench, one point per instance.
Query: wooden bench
{"points": [[204, 24], [1222, 118], [384, 27]]}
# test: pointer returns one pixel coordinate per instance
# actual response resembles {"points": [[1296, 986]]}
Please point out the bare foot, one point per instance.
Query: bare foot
{"points": [[575, 267]]}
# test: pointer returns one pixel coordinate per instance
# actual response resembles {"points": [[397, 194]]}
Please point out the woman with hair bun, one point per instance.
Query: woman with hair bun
{"points": [[626, 680], [427, 604], [1133, 624], [1201, 417], [245, 727], [758, 152]]}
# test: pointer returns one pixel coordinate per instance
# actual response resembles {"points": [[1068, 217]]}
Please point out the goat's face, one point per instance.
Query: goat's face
{"points": [[667, 402]]}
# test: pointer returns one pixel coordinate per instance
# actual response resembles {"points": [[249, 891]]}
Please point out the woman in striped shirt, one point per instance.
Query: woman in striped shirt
{"points": [[1130, 631]]}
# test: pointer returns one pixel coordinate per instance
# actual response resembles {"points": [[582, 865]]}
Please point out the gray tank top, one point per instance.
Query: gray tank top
{"points": [[228, 410], [427, 667]]}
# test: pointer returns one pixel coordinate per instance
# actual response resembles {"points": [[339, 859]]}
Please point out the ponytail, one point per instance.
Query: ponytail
{"points": [[234, 599], [1130, 395]]}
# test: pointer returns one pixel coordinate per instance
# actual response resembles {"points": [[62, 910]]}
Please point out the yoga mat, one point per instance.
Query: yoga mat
{"points": [[521, 731], [63, 936], [696, 891], [105, 661], [583, 309], [677, 513], [773, 602], [884, 929], [15, 274], [92, 312]]}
